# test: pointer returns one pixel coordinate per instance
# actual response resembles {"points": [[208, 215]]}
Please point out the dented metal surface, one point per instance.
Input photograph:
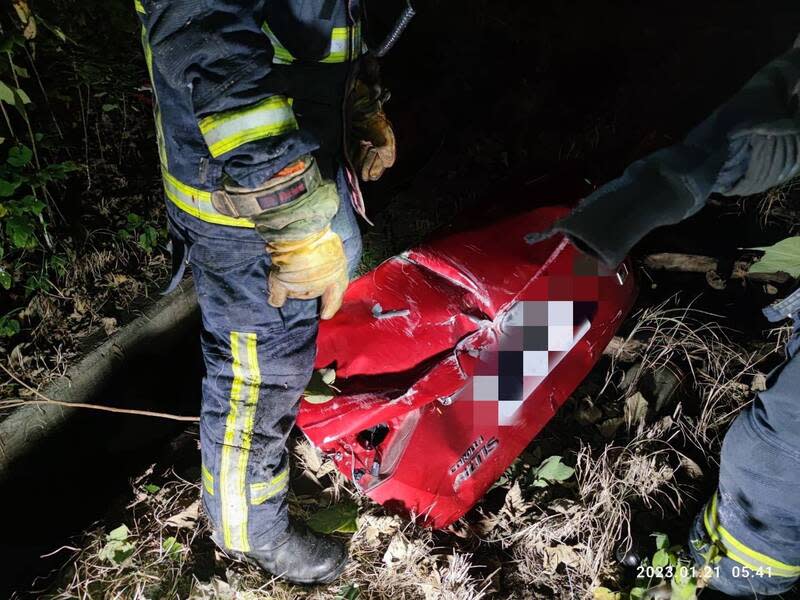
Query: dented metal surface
{"points": [[459, 352]]}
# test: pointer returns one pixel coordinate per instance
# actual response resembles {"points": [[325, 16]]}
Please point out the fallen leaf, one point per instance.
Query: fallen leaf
{"points": [[608, 428], [588, 413], [187, 518], [783, 256], [117, 548], [635, 409], [339, 517], [109, 325], [552, 470], [561, 554], [693, 470], [759, 383], [172, 548], [603, 593]]}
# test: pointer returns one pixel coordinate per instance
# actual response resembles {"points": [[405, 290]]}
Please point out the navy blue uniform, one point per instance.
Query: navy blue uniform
{"points": [[242, 89]]}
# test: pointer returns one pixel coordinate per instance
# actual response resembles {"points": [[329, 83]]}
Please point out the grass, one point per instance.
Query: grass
{"points": [[523, 541]]}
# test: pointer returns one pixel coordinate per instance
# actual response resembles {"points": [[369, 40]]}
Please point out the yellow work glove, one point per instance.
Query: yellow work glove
{"points": [[372, 147], [312, 267], [308, 259]]}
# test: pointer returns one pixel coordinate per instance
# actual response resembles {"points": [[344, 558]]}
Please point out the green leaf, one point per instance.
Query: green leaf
{"points": [[552, 469], [350, 592], [32, 205], [328, 376], [151, 488], [134, 219], [117, 548], [661, 559], [339, 517], [20, 232], [19, 156], [318, 391], [109, 107], [603, 593], [9, 327], [5, 279], [7, 94], [662, 540], [172, 548], [637, 593], [683, 588], [7, 188], [119, 534], [21, 71], [22, 95], [117, 552], [783, 256]]}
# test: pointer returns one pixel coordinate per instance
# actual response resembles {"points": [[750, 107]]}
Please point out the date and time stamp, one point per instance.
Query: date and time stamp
{"points": [[705, 572]]}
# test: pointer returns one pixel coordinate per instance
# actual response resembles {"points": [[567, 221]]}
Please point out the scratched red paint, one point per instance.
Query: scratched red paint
{"points": [[459, 352]]}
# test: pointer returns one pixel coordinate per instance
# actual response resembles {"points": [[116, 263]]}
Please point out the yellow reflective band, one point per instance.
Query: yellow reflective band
{"points": [[340, 45], [227, 131], [148, 58], [197, 202], [138, 5], [737, 551], [281, 55], [262, 491], [345, 45], [237, 439], [208, 480]]}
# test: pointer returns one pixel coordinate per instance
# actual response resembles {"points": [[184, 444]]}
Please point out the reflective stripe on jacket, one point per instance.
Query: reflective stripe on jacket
{"points": [[243, 88]]}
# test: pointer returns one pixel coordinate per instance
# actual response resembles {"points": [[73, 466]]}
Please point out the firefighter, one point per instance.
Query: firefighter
{"points": [[748, 533], [252, 100]]}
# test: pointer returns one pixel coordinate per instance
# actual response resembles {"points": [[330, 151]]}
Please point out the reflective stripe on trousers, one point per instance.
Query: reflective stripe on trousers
{"points": [[739, 552], [750, 529], [258, 361]]}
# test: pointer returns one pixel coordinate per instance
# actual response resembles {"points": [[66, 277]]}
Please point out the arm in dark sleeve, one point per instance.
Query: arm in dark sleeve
{"points": [[749, 144], [216, 50]]}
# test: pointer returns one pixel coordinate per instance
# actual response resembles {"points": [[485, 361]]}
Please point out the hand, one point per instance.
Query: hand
{"points": [[312, 267]]}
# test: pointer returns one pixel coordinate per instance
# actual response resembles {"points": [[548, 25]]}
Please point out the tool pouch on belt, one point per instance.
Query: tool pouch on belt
{"points": [[286, 207]]}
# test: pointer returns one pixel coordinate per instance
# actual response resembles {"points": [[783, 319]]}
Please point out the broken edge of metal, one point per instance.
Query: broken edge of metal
{"points": [[161, 324]]}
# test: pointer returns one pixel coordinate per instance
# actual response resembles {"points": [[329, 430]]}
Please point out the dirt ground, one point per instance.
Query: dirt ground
{"points": [[488, 99]]}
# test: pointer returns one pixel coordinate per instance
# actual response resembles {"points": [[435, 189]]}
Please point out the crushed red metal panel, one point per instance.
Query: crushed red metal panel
{"points": [[452, 357]]}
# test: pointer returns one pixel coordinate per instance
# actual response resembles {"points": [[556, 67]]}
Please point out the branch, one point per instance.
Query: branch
{"points": [[694, 263], [126, 411]]}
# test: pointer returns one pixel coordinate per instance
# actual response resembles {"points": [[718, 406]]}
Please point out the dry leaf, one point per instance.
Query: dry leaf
{"points": [[26, 18], [561, 554], [608, 428], [187, 518], [692, 468], [635, 409], [588, 413], [109, 325]]}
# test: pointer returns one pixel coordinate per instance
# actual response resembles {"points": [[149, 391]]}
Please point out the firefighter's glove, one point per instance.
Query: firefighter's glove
{"points": [[371, 142], [312, 267], [308, 259]]}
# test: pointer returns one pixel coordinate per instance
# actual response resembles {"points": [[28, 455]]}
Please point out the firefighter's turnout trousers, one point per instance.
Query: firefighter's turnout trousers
{"points": [[241, 89], [753, 520]]}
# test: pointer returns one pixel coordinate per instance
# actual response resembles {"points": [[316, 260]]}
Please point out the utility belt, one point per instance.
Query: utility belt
{"points": [[236, 206]]}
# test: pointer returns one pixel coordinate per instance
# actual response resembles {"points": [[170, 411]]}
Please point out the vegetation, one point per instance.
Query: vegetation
{"points": [[82, 235], [82, 245]]}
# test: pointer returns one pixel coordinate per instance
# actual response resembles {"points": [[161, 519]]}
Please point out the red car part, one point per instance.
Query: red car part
{"points": [[452, 357]]}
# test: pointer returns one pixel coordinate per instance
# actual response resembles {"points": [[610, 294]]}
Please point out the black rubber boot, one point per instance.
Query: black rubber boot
{"points": [[301, 556]]}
